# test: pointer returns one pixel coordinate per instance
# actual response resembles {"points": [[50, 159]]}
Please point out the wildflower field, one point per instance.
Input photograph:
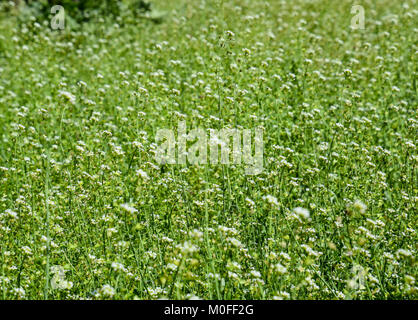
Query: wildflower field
{"points": [[86, 211]]}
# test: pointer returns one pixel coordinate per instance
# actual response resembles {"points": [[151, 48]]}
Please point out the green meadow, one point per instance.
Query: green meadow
{"points": [[86, 211]]}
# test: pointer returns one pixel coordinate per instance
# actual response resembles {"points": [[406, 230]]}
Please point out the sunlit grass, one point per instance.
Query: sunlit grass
{"points": [[333, 215]]}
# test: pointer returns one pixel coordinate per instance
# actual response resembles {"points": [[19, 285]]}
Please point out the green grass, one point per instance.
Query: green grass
{"points": [[338, 108]]}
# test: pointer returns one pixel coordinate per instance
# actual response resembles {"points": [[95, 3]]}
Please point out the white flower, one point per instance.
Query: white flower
{"points": [[234, 242], [281, 295], [11, 213], [301, 212], [20, 292], [111, 231], [117, 266], [409, 279], [142, 174], [310, 251], [359, 206], [128, 208], [348, 72], [280, 268], [58, 279], [150, 254], [285, 256], [403, 252], [272, 200], [196, 234], [250, 202], [81, 84], [157, 291], [107, 291], [255, 274], [60, 283], [188, 247], [172, 266], [68, 96], [230, 33], [27, 250]]}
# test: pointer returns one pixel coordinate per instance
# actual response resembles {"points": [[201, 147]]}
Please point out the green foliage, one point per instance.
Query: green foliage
{"points": [[79, 11], [333, 215]]}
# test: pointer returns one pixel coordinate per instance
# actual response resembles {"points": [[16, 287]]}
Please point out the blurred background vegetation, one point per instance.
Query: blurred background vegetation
{"points": [[79, 11]]}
